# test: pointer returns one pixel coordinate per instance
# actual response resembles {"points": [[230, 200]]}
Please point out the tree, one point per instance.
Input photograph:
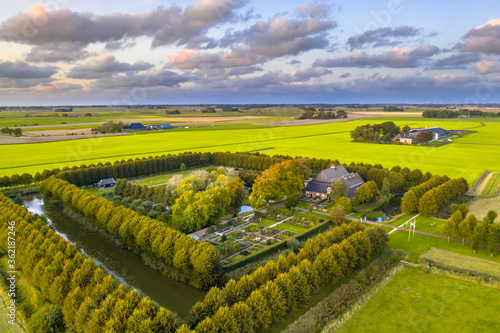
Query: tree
{"points": [[279, 181], [492, 215], [451, 227], [409, 203], [337, 215], [237, 194], [367, 192], [339, 189], [466, 228], [427, 205], [406, 129], [493, 237], [183, 167], [48, 319], [462, 208], [345, 203], [423, 137]]}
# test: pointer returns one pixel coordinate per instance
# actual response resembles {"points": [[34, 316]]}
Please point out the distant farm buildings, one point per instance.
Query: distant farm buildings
{"points": [[134, 127], [141, 127], [321, 185], [438, 133]]}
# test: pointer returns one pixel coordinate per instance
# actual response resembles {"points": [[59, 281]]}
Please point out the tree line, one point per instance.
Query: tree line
{"points": [[467, 228], [10, 131], [283, 286], [329, 251], [175, 254], [87, 299], [459, 113], [377, 133], [410, 201], [433, 195]]}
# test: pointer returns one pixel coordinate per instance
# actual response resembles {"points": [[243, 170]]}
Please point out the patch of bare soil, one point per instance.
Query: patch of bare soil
{"points": [[304, 122], [10, 140], [478, 187], [188, 119]]}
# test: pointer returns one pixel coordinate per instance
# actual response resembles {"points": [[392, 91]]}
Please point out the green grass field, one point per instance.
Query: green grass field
{"points": [[326, 140], [419, 244], [491, 188], [414, 301], [464, 262]]}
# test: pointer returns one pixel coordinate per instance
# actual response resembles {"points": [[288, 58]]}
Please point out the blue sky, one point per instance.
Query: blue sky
{"points": [[242, 51]]}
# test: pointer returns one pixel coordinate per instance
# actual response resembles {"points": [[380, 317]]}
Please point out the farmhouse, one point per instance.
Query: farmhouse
{"points": [[321, 185], [437, 132], [165, 126], [407, 138], [105, 183], [134, 127]]}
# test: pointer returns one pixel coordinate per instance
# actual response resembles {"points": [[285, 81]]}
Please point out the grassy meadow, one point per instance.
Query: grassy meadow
{"points": [[329, 140], [415, 301]]}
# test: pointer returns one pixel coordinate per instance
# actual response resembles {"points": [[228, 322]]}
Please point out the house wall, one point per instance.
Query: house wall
{"points": [[310, 194]]}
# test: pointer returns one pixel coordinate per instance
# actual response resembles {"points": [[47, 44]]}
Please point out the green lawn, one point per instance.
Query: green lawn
{"points": [[414, 301], [161, 179], [419, 244], [423, 223], [492, 187], [266, 223], [290, 227], [455, 160]]}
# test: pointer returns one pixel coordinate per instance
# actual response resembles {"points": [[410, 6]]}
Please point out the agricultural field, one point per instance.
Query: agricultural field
{"points": [[492, 185], [463, 262], [454, 160], [415, 301]]}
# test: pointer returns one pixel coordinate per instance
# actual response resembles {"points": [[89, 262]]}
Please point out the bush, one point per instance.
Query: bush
{"points": [[48, 319], [253, 228], [293, 244]]}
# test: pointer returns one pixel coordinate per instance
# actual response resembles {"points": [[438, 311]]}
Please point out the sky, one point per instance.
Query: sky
{"points": [[130, 52]]}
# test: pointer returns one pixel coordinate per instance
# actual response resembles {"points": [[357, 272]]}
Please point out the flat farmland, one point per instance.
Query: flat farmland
{"points": [[330, 140], [414, 301]]}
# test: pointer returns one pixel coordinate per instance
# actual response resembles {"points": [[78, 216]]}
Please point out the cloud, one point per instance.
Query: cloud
{"points": [[171, 25], [484, 39], [142, 81], [456, 61], [385, 36], [263, 41], [313, 10], [22, 70], [487, 67], [106, 65], [55, 52], [396, 58], [345, 75]]}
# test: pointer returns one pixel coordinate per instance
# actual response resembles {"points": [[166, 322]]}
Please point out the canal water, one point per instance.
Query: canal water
{"points": [[124, 265]]}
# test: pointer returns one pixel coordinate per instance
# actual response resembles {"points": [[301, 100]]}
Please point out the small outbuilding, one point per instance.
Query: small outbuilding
{"points": [[105, 183]]}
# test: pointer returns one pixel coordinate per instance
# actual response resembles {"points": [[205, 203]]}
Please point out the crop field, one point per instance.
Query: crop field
{"points": [[330, 140], [414, 301], [491, 187]]}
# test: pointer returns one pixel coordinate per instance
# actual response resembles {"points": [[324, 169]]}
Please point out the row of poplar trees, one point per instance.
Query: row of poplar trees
{"points": [[253, 302], [429, 197], [82, 297], [175, 254]]}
